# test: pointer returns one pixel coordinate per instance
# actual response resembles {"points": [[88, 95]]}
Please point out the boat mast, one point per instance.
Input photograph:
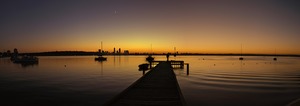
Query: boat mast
{"points": [[241, 58], [101, 46], [151, 49], [275, 58], [241, 50], [100, 51], [174, 49]]}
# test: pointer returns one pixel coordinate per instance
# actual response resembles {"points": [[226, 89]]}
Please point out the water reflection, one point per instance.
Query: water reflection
{"points": [[72, 79], [101, 66], [24, 65], [241, 65], [213, 80], [117, 60], [221, 80]]}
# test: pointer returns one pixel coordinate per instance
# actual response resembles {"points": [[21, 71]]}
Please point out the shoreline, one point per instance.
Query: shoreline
{"points": [[83, 53]]}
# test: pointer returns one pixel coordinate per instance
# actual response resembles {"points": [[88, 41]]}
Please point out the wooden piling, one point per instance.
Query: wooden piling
{"points": [[187, 69]]}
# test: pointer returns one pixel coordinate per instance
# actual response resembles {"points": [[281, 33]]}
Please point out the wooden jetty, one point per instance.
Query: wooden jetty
{"points": [[295, 103], [159, 87]]}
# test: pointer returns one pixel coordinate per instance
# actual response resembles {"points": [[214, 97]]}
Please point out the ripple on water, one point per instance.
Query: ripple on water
{"points": [[248, 82]]}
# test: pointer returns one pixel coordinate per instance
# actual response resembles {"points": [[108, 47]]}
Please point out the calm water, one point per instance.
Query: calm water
{"points": [[213, 80]]}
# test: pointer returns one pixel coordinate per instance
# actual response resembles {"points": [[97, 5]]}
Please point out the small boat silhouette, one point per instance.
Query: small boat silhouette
{"points": [[143, 66], [100, 58], [241, 58], [25, 59], [150, 58]]}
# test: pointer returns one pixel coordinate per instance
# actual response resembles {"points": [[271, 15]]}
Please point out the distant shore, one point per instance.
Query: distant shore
{"points": [[83, 53]]}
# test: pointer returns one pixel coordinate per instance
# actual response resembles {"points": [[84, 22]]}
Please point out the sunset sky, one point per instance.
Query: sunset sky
{"points": [[196, 26]]}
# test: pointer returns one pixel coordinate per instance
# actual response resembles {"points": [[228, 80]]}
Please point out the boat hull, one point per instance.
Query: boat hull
{"points": [[100, 59]]}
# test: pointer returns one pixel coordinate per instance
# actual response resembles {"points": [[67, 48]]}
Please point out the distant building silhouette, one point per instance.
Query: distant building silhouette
{"points": [[126, 52], [16, 51], [114, 51], [7, 54]]}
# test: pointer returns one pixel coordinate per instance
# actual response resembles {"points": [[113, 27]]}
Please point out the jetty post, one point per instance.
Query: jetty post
{"points": [[187, 69]]}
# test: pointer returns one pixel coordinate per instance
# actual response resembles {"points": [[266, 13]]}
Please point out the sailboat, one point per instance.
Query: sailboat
{"points": [[275, 59], [150, 58], [241, 58], [100, 57]]}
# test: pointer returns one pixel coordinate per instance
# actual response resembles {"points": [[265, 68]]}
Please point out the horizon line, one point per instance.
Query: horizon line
{"points": [[164, 53]]}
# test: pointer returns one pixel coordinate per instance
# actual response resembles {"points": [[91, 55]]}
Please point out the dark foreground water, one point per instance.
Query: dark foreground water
{"points": [[213, 80]]}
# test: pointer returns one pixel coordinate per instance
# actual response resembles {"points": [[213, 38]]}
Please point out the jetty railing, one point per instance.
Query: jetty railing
{"points": [[174, 64]]}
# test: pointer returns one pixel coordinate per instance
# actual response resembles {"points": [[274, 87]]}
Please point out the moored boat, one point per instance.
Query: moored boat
{"points": [[25, 59], [150, 58], [100, 58], [143, 66]]}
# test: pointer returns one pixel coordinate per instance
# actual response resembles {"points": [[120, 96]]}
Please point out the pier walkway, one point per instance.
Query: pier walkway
{"points": [[158, 87]]}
